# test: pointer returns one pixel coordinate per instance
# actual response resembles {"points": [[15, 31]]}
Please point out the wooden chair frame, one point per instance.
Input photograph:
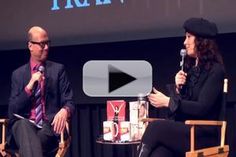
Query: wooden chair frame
{"points": [[3, 151], [218, 151], [62, 146], [64, 143]]}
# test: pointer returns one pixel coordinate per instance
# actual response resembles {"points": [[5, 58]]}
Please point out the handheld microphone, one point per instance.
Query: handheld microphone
{"points": [[183, 53], [41, 70]]}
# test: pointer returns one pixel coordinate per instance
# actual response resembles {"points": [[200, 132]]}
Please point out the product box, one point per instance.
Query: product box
{"points": [[124, 131], [110, 130], [137, 111]]}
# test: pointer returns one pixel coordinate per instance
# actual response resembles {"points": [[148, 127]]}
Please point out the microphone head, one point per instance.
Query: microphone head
{"points": [[41, 69], [183, 52]]}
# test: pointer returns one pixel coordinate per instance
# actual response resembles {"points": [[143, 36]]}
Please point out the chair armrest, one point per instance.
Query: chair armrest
{"points": [[3, 122], [62, 133], [64, 144], [204, 122]]}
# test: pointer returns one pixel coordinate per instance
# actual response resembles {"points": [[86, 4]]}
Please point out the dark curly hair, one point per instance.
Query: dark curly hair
{"points": [[207, 53]]}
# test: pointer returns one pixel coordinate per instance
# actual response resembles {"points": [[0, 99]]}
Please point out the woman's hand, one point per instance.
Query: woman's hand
{"points": [[180, 79], [158, 99]]}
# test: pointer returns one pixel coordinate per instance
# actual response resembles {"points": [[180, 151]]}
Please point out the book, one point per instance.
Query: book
{"points": [[137, 111], [116, 110]]}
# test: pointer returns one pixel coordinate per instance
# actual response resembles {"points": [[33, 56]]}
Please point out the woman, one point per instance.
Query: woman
{"points": [[197, 94]]}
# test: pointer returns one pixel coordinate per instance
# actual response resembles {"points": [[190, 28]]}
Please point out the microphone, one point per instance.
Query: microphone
{"points": [[183, 53], [41, 70]]}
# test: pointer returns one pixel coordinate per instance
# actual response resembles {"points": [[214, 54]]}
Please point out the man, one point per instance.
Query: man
{"points": [[41, 99]]}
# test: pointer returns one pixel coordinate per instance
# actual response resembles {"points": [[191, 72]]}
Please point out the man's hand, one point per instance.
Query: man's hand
{"points": [[59, 121], [38, 76]]}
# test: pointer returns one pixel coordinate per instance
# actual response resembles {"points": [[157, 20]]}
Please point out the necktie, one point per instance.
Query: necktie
{"points": [[38, 106]]}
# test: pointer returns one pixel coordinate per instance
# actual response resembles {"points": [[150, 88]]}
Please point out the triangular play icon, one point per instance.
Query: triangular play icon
{"points": [[118, 78]]}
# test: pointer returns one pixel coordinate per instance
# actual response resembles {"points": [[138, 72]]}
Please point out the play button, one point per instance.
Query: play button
{"points": [[117, 78]]}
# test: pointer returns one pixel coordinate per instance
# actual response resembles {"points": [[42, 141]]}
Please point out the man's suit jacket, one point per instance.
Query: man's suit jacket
{"points": [[58, 92]]}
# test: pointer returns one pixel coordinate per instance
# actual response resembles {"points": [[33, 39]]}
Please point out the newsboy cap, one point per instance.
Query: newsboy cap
{"points": [[201, 27]]}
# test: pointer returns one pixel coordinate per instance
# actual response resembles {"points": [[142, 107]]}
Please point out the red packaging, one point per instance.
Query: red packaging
{"points": [[116, 110]]}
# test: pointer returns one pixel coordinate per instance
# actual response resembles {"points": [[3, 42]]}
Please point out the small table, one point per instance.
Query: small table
{"points": [[133, 144]]}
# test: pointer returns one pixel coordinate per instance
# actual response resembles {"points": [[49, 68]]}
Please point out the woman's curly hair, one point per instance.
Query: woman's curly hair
{"points": [[207, 53]]}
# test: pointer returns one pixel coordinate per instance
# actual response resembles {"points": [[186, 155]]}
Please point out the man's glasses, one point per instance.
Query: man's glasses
{"points": [[42, 44]]}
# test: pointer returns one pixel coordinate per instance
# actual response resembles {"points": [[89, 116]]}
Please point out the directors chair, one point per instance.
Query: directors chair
{"points": [[63, 145]]}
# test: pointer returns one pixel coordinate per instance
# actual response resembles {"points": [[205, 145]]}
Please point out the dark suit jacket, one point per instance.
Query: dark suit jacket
{"points": [[58, 92]]}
